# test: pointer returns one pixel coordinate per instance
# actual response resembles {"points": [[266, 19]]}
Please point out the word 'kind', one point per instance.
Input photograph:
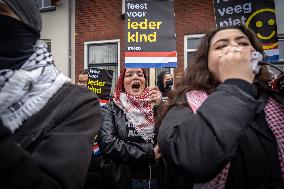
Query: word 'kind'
{"points": [[143, 25]]}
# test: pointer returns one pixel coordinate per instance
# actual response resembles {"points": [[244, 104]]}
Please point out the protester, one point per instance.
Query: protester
{"points": [[165, 82], [83, 77], [46, 124], [127, 138], [223, 128]]}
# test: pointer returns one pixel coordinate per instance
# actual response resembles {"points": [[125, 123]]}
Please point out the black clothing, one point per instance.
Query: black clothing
{"points": [[160, 83], [16, 43], [52, 149], [228, 126], [28, 12], [122, 153]]}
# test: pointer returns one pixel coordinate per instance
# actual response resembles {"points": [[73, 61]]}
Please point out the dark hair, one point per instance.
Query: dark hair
{"points": [[198, 77], [84, 72], [160, 81]]}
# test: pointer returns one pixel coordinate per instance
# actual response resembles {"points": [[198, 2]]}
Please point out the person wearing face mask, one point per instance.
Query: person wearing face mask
{"points": [[45, 135], [128, 138], [165, 82], [224, 126]]}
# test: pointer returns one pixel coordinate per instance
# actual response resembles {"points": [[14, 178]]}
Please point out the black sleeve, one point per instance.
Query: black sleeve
{"points": [[61, 158], [117, 148], [201, 144]]}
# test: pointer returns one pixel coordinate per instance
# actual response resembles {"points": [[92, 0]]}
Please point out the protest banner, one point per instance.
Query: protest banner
{"points": [[257, 15], [150, 34], [100, 82]]}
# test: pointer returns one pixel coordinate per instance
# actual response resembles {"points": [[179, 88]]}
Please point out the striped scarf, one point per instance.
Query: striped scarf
{"points": [[274, 115]]}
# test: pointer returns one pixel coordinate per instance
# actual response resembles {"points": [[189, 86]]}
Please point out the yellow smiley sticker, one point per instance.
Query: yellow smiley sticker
{"points": [[259, 23]]}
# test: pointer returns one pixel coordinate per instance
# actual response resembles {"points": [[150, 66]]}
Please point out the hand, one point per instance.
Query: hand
{"points": [[235, 62], [157, 152], [155, 96]]}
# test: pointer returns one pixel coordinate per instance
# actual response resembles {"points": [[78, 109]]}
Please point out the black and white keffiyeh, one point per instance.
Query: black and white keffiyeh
{"points": [[25, 91]]}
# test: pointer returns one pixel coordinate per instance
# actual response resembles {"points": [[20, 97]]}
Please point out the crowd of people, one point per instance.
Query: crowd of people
{"points": [[220, 127]]}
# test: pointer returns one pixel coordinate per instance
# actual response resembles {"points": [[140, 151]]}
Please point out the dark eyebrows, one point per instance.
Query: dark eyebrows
{"points": [[226, 40], [131, 72]]}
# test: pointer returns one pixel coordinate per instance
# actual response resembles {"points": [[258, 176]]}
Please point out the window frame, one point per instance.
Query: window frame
{"points": [[186, 49], [281, 38], [43, 8], [86, 54]]}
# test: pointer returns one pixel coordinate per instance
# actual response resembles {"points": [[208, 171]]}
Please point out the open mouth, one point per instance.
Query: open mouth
{"points": [[135, 86]]}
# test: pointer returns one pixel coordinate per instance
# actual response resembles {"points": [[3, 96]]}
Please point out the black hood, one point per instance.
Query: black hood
{"points": [[29, 13]]}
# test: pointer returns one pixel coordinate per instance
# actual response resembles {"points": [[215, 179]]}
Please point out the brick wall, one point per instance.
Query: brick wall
{"points": [[101, 20]]}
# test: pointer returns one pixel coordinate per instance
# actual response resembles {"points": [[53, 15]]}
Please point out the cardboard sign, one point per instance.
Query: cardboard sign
{"points": [[150, 34], [100, 82], [257, 15]]}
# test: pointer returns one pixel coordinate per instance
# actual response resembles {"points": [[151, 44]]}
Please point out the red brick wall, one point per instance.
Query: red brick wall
{"points": [[101, 20]]}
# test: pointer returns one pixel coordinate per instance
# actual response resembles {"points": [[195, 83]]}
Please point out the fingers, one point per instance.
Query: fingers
{"points": [[235, 62]]}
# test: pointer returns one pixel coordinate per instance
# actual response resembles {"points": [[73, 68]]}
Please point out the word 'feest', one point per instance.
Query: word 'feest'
{"points": [[137, 6]]}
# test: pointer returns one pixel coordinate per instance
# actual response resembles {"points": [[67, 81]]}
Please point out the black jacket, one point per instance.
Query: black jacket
{"points": [[52, 148], [117, 150], [229, 126]]}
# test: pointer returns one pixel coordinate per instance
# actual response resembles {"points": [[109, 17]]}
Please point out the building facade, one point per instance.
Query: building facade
{"points": [[58, 31], [99, 32]]}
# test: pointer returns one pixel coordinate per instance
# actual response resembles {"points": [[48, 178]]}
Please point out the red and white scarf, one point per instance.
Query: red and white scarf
{"points": [[138, 112], [274, 115]]}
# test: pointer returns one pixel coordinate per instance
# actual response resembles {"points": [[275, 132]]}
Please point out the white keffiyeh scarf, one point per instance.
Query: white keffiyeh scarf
{"points": [[25, 91], [138, 112]]}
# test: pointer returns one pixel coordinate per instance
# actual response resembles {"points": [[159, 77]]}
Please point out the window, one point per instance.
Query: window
{"points": [[45, 5], [281, 46], [281, 51], [103, 55], [191, 43]]}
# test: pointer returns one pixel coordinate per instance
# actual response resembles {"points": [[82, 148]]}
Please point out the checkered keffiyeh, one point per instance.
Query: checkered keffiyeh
{"points": [[138, 112], [25, 91], [274, 115]]}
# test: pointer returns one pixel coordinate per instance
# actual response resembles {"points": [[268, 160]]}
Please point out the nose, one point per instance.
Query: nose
{"points": [[234, 44], [135, 76]]}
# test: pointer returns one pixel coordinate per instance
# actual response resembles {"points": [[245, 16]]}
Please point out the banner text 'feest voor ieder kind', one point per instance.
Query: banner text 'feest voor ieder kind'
{"points": [[150, 34]]}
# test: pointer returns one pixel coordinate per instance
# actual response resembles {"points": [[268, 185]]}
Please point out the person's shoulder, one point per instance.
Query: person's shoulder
{"points": [[75, 94], [73, 89]]}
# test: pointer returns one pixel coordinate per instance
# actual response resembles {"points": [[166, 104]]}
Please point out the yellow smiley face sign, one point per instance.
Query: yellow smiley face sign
{"points": [[263, 22]]}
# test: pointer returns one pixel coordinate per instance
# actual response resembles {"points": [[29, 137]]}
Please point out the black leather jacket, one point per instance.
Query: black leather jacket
{"points": [[118, 151]]}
